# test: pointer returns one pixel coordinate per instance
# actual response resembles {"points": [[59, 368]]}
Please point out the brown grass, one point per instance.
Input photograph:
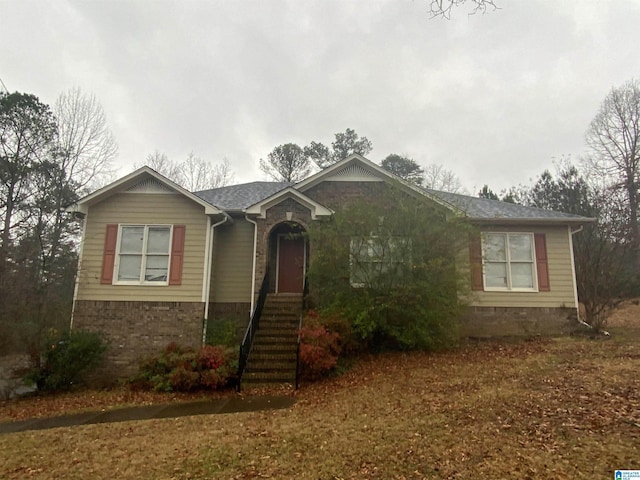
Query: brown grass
{"points": [[562, 408]]}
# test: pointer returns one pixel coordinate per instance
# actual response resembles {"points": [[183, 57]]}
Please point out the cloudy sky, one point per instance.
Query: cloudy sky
{"points": [[494, 98]]}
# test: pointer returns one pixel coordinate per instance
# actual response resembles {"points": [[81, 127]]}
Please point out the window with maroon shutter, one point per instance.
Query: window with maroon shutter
{"points": [[177, 255], [509, 261], [542, 265], [109, 254], [475, 261], [143, 254]]}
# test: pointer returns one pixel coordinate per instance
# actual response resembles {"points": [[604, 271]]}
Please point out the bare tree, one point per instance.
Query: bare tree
{"points": [[614, 139], [193, 173], [443, 8], [436, 177], [86, 145], [198, 174], [161, 163], [286, 163]]}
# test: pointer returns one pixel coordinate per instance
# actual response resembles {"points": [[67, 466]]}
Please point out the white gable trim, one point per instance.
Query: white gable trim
{"points": [[353, 172], [142, 180], [150, 185], [316, 209]]}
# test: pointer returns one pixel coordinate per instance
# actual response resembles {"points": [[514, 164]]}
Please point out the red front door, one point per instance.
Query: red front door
{"points": [[291, 257]]}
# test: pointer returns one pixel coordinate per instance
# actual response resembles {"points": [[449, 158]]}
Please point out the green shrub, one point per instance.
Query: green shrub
{"points": [[222, 332], [67, 359], [394, 267], [180, 369]]}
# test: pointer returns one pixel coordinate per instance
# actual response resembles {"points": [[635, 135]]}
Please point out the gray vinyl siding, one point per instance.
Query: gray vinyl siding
{"points": [[144, 208], [232, 262], [561, 279]]}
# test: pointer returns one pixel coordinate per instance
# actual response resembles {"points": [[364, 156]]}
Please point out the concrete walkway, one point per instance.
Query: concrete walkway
{"points": [[206, 407]]}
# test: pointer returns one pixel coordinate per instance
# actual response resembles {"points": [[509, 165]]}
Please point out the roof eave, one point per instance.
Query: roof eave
{"points": [[532, 221]]}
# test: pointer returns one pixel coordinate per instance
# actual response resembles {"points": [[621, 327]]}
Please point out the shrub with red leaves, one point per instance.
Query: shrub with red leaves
{"points": [[179, 369], [319, 351]]}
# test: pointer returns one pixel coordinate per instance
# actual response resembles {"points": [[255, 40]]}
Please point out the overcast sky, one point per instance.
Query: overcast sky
{"points": [[494, 98]]}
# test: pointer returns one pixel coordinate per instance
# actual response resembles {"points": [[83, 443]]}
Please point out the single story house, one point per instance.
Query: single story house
{"points": [[159, 263]]}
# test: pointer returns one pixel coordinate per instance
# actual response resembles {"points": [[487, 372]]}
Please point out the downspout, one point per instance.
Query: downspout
{"points": [[78, 270], [253, 274], [573, 272], [207, 283]]}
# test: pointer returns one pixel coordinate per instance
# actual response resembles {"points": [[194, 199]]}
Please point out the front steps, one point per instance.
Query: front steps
{"points": [[274, 352]]}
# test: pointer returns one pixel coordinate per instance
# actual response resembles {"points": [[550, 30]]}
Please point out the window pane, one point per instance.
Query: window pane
{"points": [[495, 275], [358, 247], [379, 249], [521, 275], [131, 239], [157, 268], [129, 269], [158, 241], [495, 248], [520, 248]]}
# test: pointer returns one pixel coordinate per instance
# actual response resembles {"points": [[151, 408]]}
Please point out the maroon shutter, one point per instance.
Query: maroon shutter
{"points": [[177, 255], [541, 262], [109, 254], [475, 260]]}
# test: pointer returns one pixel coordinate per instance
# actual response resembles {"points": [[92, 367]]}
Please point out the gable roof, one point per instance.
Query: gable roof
{"points": [[253, 197], [316, 208], [134, 179], [250, 197]]}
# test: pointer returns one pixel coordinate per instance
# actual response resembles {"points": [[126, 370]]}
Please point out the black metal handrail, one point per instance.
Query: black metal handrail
{"points": [[303, 308], [252, 328]]}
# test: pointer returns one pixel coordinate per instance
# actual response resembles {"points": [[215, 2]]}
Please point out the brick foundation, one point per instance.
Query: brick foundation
{"points": [[135, 330], [238, 312], [518, 321]]}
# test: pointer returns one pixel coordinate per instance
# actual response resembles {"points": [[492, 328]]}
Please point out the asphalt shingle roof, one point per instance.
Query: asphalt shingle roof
{"points": [[239, 197], [485, 209]]}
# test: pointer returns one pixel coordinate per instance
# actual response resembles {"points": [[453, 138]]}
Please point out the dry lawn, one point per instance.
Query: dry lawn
{"points": [[566, 408]]}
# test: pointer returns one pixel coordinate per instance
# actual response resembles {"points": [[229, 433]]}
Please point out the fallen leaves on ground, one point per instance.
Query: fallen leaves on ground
{"points": [[537, 409]]}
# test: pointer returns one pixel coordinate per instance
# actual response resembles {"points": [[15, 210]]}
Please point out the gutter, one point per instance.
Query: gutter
{"points": [[253, 273], [532, 221], [575, 283], [78, 269], [209, 259]]}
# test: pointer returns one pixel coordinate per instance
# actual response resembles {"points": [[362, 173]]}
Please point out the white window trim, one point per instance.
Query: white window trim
{"points": [[534, 268], [141, 282]]}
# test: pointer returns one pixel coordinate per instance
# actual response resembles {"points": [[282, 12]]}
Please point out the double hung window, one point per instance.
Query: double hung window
{"points": [[143, 254], [378, 260], [509, 261]]}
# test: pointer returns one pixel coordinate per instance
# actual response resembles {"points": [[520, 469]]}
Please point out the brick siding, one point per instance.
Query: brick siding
{"points": [[135, 330], [518, 321]]}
